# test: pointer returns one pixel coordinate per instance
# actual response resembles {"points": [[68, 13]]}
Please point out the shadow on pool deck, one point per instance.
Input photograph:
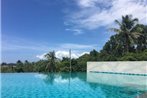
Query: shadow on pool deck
{"points": [[144, 95]]}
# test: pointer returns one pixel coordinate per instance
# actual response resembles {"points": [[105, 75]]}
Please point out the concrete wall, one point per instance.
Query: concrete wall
{"points": [[135, 67]]}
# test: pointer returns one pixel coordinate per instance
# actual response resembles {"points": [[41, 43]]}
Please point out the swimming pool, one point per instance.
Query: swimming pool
{"points": [[71, 85]]}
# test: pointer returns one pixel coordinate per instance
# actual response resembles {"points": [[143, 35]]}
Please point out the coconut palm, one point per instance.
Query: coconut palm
{"points": [[127, 29], [142, 40], [51, 61]]}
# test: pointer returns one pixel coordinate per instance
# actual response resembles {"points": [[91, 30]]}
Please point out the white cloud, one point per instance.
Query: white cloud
{"points": [[60, 80], [76, 46], [76, 31], [86, 3], [74, 54], [92, 3], [60, 53], [41, 76], [62, 50], [42, 56], [93, 14]]}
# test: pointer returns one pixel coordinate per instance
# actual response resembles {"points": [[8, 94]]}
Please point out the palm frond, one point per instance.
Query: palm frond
{"points": [[135, 20], [115, 30], [117, 22], [136, 34]]}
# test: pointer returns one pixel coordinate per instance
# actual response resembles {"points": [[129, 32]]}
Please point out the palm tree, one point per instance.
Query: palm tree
{"points": [[142, 40], [127, 29], [51, 61]]}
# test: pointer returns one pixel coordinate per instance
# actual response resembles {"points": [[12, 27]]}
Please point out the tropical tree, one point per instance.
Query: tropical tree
{"points": [[51, 61], [19, 66], [3, 63], [93, 55], [142, 40], [127, 30], [19, 63], [40, 66], [28, 66], [64, 65]]}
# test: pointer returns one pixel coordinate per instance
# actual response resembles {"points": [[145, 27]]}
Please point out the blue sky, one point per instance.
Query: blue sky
{"points": [[31, 28]]}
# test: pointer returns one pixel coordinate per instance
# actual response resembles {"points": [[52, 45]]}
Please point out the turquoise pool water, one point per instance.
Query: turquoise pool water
{"points": [[74, 85]]}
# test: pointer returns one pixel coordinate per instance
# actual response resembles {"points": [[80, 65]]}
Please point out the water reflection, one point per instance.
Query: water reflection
{"points": [[132, 86], [49, 78], [128, 81], [96, 84], [59, 77]]}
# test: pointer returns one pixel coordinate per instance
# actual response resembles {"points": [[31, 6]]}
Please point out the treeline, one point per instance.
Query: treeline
{"points": [[128, 44]]}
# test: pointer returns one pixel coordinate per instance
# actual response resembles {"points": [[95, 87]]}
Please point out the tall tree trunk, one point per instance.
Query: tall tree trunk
{"points": [[127, 43], [127, 47]]}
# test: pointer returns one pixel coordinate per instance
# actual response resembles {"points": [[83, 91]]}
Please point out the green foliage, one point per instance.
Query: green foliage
{"points": [[64, 64], [19, 66], [141, 56], [50, 67], [129, 31], [7, 69], [128, 57], [40, 66]]}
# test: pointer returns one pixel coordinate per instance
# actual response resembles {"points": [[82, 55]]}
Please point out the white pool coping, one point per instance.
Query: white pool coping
{"points": [[124, 67]]}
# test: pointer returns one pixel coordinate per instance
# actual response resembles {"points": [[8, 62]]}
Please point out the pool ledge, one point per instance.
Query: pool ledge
{"points": [[119, 73]]}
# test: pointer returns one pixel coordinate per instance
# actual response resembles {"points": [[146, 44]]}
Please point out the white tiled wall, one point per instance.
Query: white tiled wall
{"points": [[136, 67]]}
